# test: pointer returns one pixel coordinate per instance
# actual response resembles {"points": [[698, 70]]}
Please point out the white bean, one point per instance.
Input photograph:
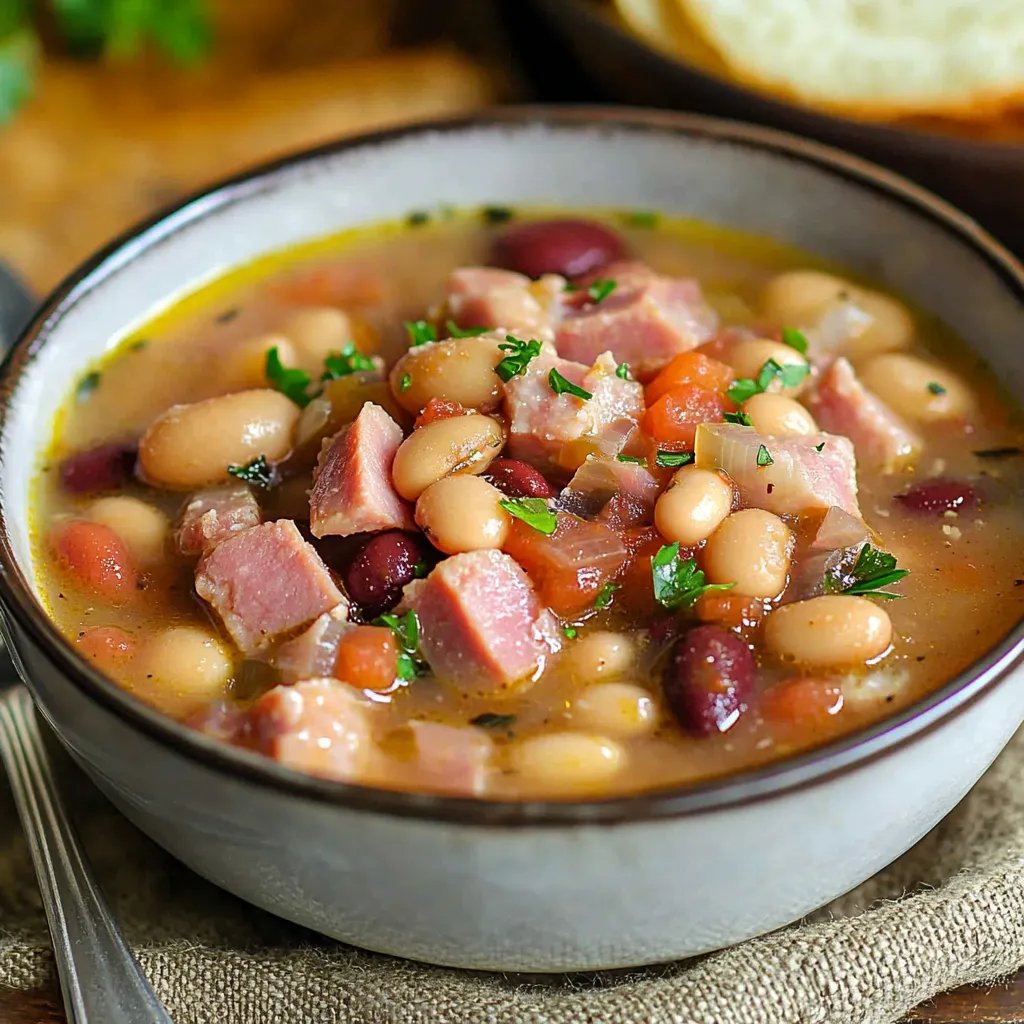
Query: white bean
{"points": [[245, 364], [316, 332], [601, 655], [457, 370], [181, 669], [693, 506], [915, 389], [462, 513], [459, 444], [779, 416], [751, 549], [142, 527], [837, 629], [618, 709], [568, 761], [748, 358]]}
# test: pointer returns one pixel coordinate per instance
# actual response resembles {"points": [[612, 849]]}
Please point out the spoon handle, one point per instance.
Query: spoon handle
{"points": [[100, 979]]}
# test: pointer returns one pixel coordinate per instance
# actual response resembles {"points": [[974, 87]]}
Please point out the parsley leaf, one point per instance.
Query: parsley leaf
{"points": [[873, 570], [570, 632], [622, 372], [795, 339], [258, 472], [669, 460], [764, 457], [417, 218], [420, 332], [492, 720], [534, 512], [604, 598], [737, 417], [790, 374], [561, 386], [935, 388], [631, 458], [819, 447], [345, 362], [455, 331], [519, 355], [407, 632], [742, 389], [601, 289], [497, 214], [405, 383], [290, 382], [87, 385], [642, 219], [677, 581]]}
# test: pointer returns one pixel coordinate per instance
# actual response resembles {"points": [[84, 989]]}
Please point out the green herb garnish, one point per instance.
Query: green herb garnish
{"points": [[420, 570], [455, 331], [820, 447], [417, 218], [795, 339], [534, 512], [873, 570], [290, 382], [642, 219], [405, 383], [561, 386], [622, 372], [87, 385], [670, 460], [764, 457], [601, 289], [604, 598], [936, 388], [497, 214], [677, 581], [790, 374], [519, 355], [631, 458], [742, 389], [420, 332], [138, 346], [347, 361], [570, 632], [737, 417], [407, 631], [258, 472], [227, 316], [492, 720]]}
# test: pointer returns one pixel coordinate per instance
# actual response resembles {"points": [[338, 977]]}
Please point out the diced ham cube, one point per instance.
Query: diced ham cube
{"points": [[313, 653], [600, 479], [542, 424], [319, 726], [481, 624], [842, 405], [352, 490], [212, 515], [798, 478], [505, 301], [264, 582], [646, 321], [451, 759]]}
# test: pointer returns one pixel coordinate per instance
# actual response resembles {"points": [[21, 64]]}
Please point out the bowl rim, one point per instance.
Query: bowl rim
{"points": [[832, 759]]}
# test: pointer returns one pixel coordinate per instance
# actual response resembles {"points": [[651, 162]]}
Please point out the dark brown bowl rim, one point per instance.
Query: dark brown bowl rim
{"points": [[769, 781]]}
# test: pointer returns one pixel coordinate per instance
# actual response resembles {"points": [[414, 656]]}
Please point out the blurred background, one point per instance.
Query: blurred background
{"points": [[111, 109]]}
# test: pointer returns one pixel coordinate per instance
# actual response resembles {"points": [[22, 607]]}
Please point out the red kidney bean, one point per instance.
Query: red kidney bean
{"points": [[104, 468], [571, 248], [939, 496], [387, 563], [708, 680], [518, 479]]}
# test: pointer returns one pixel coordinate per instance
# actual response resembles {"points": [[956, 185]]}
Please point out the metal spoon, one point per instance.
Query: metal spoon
{"points": [[100, 979]]}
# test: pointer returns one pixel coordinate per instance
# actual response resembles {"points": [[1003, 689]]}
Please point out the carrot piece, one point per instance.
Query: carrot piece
{"points": [[690, 368], [729, 610], [438, 409], [806, 702], [108, 646], [674, 418], [367, 658], [94, 557]]}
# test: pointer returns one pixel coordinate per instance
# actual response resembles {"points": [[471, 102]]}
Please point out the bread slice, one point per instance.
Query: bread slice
{"points": [[874, 58]]}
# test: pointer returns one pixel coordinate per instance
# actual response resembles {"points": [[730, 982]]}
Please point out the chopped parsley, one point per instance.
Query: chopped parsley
{"points": [[534, 512], [258, 472], [420, 332], [561, 386], [790, 374], [138, 346], [873, 570], [737, 417], [677, 581], [795, 339], [407, 632], [742, 389], [764, 457], [496, 214], [642, 219], [290, 382], [936, 388], [570, 632], [347, 361], [455, 331], [492, 720], [519, 355], [604, 598], [417, 218], [997, 453], [670, 460], [601, 289], [87, 385], [631, 458], [622, 372], [227, 316], [420, 570], [405, 383], [820, 447]]}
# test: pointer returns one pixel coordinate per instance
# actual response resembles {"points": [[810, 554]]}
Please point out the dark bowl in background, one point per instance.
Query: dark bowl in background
{"points": [[984, 179]]}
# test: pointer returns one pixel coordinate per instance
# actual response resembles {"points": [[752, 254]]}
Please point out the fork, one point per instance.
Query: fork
{"points": [[100, 979]]}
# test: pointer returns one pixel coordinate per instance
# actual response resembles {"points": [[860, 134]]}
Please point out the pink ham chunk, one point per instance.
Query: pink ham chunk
{"points": [[842, 405], [213, 515], [451, 759], [352, 490], [482, 627], [314, 651], [266, 581], [799, 477], [504, 300], [542, 423], [319, 726], [646, 321]]}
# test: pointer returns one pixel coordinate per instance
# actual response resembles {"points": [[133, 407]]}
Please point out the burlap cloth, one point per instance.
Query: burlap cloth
{"points": [[950, 911]]}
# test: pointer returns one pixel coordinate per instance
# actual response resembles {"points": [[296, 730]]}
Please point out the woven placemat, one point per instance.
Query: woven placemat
{"points": [[949, 912]]}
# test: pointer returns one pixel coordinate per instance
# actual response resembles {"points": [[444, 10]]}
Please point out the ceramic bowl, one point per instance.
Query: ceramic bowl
{"points": [[520, 886]]}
